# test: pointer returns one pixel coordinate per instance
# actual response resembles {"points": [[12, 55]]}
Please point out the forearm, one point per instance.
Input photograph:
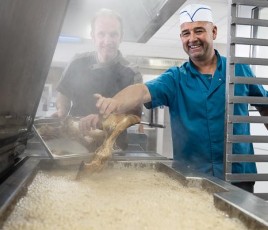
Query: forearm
{"points": [[132, 98], [263, 112], [129, 100], [63, 105]]}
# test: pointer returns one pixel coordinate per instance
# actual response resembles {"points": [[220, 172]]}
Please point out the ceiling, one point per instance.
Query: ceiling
{"points": [[141, 19], [161, 41], [144, 20]]}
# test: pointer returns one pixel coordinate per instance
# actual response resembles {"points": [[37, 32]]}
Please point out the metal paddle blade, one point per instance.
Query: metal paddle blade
{"points": [[80, 170]]}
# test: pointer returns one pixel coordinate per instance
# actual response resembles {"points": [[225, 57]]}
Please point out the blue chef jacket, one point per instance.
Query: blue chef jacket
{"points": [[197, 111]]}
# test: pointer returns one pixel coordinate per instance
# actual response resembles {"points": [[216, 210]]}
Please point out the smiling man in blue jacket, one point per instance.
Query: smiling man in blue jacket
{"points": [[195, 95]]}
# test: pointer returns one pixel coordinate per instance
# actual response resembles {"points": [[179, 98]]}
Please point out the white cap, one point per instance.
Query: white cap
{"points": [[195, 12]]}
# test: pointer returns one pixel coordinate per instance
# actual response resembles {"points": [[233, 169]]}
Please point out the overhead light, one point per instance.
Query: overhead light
{"points": [[69, 39]]}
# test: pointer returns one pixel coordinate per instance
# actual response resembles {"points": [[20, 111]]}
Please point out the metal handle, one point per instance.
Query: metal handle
{"points": [[152, 124]]}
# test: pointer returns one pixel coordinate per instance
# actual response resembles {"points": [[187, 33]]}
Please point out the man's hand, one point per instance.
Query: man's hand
{"points": [[88, 123], [105, 105], [128, 101]]}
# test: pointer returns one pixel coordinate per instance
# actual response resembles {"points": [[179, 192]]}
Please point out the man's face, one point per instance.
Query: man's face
{"points": [[197, 39], [107, 37]]}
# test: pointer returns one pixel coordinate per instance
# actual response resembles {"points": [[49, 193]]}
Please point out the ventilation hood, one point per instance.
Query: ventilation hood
{"points": [[141, 18]]}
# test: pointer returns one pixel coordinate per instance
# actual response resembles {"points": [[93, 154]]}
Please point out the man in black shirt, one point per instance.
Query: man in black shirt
{"points": [[103, 71]]}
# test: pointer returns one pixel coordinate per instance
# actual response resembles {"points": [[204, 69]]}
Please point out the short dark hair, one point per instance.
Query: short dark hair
{"points": [[106, 13]]}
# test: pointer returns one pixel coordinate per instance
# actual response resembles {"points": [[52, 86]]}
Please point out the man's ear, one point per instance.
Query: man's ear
{"points": [[214, 31]]}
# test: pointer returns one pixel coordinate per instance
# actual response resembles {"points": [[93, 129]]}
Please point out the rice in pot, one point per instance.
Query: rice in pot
{"points": [[126, 198]]}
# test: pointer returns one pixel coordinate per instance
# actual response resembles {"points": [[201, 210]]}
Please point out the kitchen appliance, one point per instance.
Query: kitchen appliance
{"points": [[29, 34], [30, 30]]}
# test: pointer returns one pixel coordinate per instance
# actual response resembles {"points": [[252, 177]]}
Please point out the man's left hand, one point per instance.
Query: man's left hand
{"points": [[88, 123]]}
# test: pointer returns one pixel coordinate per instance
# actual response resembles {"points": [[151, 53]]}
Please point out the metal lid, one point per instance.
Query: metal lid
{"points": [[29, 34]]}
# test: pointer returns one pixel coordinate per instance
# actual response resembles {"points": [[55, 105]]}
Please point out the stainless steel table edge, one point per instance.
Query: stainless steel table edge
{"points": [[236, 202]]}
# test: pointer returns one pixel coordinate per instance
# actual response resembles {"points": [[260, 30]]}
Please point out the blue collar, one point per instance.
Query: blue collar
{"points": [[195, 72]]}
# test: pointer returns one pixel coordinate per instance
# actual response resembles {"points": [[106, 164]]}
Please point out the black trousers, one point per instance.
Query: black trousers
{"points": [[248, 186]]}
